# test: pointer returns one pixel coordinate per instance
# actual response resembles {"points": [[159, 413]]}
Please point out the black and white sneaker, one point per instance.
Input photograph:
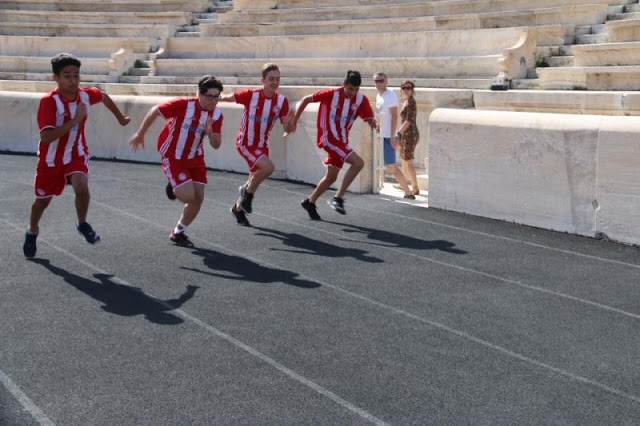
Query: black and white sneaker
{"points": [[311, 209], [87, 231], [29, 246], [180, 239], [245, 199], [337, 204], [169, 191], [241, 218]]}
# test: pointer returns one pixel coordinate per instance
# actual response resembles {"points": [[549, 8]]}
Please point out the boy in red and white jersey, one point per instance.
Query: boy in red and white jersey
{"points": [[262, 107], [63, 154], [339, 108], [189, 120]]}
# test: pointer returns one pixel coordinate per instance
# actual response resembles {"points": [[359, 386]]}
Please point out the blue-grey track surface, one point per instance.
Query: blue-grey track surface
{"points": [[392, 314]]}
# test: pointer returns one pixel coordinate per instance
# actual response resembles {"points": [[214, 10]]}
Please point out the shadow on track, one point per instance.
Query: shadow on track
{"points": [[315, 247], [392, 239], [243, 269], [122, 299]]}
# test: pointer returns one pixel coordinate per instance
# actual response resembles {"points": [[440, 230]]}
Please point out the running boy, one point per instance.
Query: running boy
{"points": [[262, 107], [338, 110], [189, 120], [63, 154]]}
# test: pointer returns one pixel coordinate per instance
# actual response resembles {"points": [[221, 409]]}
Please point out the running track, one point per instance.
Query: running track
{"points": [[392, 314]]}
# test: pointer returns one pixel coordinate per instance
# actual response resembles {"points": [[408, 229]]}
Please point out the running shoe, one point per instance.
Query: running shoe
{"points": [[241, 218], [180, 239], [337, 204], [311, 209], [245, 199], [29, 246], [87, 231], [169, 190]]}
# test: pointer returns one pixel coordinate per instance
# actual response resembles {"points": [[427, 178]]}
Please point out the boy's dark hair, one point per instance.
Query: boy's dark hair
{"points": [[353, 78], [209, 82], [62, 60], [269, 67]]}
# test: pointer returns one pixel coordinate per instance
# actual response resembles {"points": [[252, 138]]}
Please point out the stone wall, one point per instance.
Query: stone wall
{"points": [[570, 173]]}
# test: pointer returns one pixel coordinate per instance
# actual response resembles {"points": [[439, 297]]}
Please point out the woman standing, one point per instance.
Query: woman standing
{"points": [[408, 134]]}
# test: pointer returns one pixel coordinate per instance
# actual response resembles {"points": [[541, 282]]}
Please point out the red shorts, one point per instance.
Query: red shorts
{"points": [[252, 154], [51, 181], [181, 171], [336, 154]]}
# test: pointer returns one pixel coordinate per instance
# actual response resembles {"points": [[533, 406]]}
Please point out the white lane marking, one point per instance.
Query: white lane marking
{"points": [[26, 402], [287, 371]]}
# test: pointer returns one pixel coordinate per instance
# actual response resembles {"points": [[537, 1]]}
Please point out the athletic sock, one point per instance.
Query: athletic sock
{"points": [[180, 227]]}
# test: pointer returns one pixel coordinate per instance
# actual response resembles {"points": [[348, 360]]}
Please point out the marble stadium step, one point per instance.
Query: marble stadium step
{"points": [[569, 15], [108, 6], [408, 10], [83, 47], [11, 80], [607, 54], [66, 17], [297, 4], [624, 77], [37, 64], [625, 30], [560, 101], [485, 66], [88, 30], [475, 42]]}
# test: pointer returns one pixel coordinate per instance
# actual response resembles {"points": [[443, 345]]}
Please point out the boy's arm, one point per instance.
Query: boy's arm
{"points": [[123, 119], [138, 137], [215, 139], [293, 123], [227, 98], [49, 135]]}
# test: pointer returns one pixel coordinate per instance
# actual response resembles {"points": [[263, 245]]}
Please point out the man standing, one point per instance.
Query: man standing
{"points": [[387, 104]]}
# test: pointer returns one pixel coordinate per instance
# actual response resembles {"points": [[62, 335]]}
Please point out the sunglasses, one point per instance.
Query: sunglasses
{"points": [[406, 87], [379, 81]]}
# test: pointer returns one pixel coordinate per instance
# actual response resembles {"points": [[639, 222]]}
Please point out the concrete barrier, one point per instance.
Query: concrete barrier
{"points": [[570, 173], [295, 157]]}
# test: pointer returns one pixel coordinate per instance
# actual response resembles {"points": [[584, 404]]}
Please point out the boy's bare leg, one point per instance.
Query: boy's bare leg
{"points": [[265, 168], [80, 184], [192, 195], [329, 178], [356, 164], [38, 207]]}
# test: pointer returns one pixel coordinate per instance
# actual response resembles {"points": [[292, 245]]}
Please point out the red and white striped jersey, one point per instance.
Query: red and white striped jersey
{"points": [[53, 112], [181, 137], [337, 114], [259, 115]]}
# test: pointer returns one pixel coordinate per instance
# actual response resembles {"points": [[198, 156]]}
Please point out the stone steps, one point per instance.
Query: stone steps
{"points": [[607, 54]]}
